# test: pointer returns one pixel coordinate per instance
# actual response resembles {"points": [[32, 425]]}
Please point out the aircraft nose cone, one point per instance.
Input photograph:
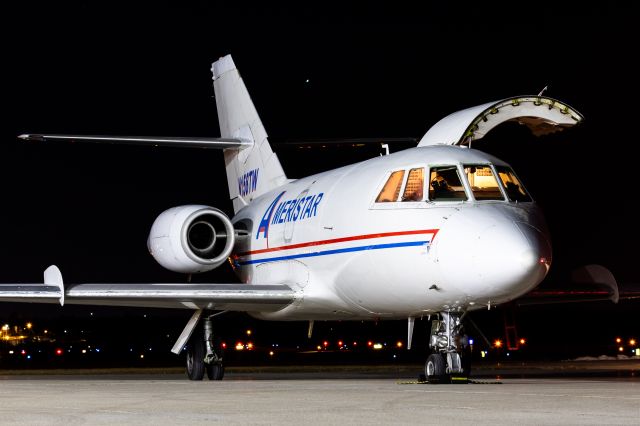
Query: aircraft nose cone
{"points": [[493, 256], [512, 257]]}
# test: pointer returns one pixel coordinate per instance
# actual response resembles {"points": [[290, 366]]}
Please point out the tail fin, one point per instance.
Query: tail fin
{"points": [[252, 170]]}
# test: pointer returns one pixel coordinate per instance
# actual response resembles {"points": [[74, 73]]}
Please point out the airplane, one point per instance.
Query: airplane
{"points": [[437, 230]]}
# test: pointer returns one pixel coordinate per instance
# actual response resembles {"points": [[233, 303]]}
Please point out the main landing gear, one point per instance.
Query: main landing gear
{"points": [[202, 356], [450, 360]]}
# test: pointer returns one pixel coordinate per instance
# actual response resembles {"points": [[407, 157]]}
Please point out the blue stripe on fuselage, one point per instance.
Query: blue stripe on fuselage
{"points": [[336, 251]]}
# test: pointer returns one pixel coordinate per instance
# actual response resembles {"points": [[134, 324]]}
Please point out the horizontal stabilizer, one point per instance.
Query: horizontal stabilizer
{"points": [[215, 143], [348, 142]]}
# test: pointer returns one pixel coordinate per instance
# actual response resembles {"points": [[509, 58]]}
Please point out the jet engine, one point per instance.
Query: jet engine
{"points": [[191, 238]]}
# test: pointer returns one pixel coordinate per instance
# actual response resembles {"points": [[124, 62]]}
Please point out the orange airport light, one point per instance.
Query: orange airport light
{"points": [[618, 340], [399, 344], [632, 342], [497, 343], [523, 341]]}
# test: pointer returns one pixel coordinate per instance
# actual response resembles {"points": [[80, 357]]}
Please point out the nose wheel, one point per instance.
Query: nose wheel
{"points": [[449, 361], [435, 369]]}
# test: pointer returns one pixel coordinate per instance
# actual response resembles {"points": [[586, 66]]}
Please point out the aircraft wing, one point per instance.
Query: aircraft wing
{"points": [[233, 297], [216, 143], [590, 283]]}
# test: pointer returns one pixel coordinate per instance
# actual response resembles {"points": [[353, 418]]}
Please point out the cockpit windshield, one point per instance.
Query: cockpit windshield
{"points": [[483, 182], [515, 190], [445, 184]]}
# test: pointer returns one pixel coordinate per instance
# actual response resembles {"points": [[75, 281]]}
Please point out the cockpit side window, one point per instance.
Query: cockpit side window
{"points": [[413, 190], [391, 189], [445, 184], [515, 190], [483, 182]]}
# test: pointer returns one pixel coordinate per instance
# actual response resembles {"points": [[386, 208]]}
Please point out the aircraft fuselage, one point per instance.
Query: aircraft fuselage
{"points": [[348, 256]]}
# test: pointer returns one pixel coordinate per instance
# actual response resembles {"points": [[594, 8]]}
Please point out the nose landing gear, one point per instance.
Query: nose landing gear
{"points": [[449, 361]]}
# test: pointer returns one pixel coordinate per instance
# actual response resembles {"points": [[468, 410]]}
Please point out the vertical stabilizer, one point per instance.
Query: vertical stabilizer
{"points": [[251, 170]]}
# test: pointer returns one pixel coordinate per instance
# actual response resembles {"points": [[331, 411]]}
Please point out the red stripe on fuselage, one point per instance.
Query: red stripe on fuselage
{"points": [[341, 240]]}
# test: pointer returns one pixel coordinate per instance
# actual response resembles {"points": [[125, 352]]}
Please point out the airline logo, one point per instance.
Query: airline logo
{"points": [[248, 182], [266, 218], [293, 210]]}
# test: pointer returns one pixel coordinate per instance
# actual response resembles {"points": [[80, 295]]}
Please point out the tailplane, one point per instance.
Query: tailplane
{"points": [[254, 169]]}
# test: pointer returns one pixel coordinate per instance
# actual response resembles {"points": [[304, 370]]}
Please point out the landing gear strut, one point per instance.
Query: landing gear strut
{"points": [[449, 360], [202, 357]]}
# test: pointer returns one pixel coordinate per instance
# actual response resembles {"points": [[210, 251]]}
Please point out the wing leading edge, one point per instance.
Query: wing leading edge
{"points": [[232, 297]]}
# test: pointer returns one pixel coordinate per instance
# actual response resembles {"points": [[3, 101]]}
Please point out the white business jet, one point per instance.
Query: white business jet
{"points": [[436, 230]]}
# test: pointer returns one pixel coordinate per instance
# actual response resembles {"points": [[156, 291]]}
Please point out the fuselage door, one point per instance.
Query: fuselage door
{"points": [[540, 114], [290, 224]]}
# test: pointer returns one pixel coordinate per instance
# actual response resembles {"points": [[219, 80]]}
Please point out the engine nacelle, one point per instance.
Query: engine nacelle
{"points": [[191, 238]]}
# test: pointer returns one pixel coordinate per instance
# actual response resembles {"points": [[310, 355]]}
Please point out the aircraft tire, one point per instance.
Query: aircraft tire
{"points": [[215, 371], [435, 369], [195, 359]]}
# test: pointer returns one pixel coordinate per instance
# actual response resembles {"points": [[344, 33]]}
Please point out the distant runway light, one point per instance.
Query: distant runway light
{"points": [[306, 81]]}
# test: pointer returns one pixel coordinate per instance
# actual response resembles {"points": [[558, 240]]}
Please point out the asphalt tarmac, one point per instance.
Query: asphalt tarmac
{"points": [[345, 395]]}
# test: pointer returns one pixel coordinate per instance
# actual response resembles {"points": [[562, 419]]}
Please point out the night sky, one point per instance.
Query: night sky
{"points": [[374, 69]]}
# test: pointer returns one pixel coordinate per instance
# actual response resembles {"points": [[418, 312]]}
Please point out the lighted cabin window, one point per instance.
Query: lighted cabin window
{"points": [[391, 189], [413, 190], [445, 184], [515, 190], [483, 182]]}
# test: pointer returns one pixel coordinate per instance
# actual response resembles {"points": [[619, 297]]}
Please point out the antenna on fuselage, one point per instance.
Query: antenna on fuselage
{"points": [[544, 89]]}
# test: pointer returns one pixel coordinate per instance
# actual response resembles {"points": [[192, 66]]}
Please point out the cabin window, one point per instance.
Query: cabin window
{"points": [[515, 190], [391, 189], [414, 188], [445, 184], [483, 182]]}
